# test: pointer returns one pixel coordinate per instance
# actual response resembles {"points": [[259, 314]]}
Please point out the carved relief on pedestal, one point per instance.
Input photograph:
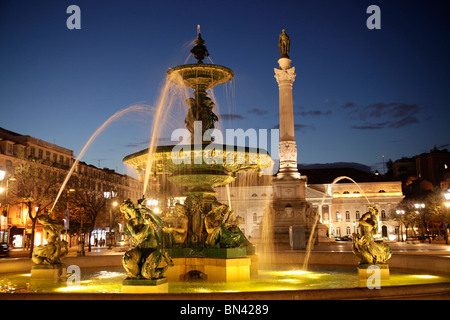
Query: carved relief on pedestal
{"points": [[288, 151]]}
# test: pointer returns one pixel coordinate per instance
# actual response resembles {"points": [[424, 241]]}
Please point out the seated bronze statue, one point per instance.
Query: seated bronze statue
{"points": [[146, 259], [223, 228], [365, 246], [55, 249]]}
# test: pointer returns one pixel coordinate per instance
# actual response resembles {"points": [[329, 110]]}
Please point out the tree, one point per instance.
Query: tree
{"points": [[434, 202], [36, 185], [86, 206], [405, 214]]}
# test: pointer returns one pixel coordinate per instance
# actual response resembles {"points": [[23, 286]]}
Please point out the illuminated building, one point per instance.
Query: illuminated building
{"points": [[14, 148]]}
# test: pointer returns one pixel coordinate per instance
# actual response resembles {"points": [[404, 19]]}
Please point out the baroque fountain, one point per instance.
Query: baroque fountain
{"points": [[202, 235]]}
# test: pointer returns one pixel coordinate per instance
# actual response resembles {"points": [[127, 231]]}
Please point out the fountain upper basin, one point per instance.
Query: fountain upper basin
{"points": [[201, 166], [195, 75]]}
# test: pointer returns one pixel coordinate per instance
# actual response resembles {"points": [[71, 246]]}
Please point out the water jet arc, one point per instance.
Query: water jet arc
{"points": [[316, 219]]}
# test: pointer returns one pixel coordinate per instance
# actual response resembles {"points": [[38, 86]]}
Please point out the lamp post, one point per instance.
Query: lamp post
{"points": [[2, 176], [400, 232], [114, 204], [419, 207], [447, 206]]}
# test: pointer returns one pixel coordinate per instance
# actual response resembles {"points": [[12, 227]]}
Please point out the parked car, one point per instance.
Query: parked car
{"points": [[4, 249], [344, 238]]}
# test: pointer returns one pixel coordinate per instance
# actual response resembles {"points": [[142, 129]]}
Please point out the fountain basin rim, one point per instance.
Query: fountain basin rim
{"points": [[163, 154], [195, 75]]}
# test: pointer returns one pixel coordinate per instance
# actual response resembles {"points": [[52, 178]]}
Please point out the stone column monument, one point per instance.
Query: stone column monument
{"points": [[290, 211]]}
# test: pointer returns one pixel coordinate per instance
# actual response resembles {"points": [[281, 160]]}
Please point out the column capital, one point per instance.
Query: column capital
{"points": [[287, 75]]}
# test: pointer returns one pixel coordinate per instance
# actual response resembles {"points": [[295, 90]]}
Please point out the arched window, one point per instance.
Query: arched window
{"points": [[384, 232], [254, 195]]}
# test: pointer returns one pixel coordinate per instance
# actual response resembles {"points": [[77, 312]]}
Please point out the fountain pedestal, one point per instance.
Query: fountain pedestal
{"points": [[214, 264], [48, 271], [212, 269], [160, 285]]}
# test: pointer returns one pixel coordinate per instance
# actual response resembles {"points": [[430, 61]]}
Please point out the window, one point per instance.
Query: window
{"points": [[33, 152], [40, 154], [383, 215], [338, 216], [349, 231], [384, 231], [254, 195], [358, 216], [347, 215], [255, 217]]}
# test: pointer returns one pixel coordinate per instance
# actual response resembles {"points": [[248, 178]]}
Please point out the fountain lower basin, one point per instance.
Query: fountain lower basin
{"points": [[101, 278]]}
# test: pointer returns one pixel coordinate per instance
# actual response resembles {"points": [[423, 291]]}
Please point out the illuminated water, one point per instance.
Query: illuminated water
{"points": [[96, 280]]}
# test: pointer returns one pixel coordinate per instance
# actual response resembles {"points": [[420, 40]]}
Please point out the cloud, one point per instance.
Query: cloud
{"points": [[348, 105], [258, 112], [314, 113], [298, 127], [383, 115], [145, 143], [231, 116]]}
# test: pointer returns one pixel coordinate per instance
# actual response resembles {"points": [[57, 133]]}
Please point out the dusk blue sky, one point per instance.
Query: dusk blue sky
{"points": [[359, 94]]}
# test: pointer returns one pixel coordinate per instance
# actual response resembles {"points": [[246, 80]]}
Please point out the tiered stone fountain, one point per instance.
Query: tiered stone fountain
{"points": [[202, 235]]}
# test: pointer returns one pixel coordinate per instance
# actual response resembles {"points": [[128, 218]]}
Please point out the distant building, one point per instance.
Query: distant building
{"points": [[433, 166], [423, 172], [339, 205], [14, 147]]}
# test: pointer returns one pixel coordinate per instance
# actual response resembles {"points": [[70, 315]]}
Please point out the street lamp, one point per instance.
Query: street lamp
{"points": [[447, 198], [419, 207], [400, 212], [114, 204]]}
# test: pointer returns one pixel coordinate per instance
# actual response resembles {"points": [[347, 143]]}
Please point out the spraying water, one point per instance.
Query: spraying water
{"points": [[169, 93], [316, 220], [114, 117]]}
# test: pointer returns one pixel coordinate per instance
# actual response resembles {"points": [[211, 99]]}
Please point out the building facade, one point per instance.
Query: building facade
{"points": [[339, 205], [16, 148]]}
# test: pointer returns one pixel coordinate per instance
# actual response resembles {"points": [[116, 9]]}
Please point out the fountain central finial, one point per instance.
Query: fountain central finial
{"points": [[199, 50]]}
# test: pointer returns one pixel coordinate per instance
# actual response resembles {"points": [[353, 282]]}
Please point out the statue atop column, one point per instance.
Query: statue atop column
{"points": [[284, 43]]}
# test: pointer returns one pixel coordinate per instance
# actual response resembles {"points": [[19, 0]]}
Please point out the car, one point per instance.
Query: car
{"points": [[344, 238], [4, 249]]}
